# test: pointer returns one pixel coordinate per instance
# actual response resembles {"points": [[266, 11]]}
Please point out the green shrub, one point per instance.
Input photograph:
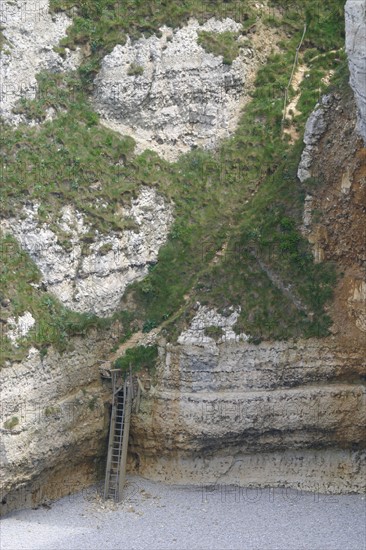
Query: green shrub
{"points": [[11, 423], [214, 332], [52, 411], [140, 357], [224, 43], [135, 70]]}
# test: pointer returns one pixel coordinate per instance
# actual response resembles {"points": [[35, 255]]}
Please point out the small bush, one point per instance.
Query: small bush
{"points": [[224, 43], [138, 358], [149, 325], [11, 423], [52, 411], [214, 332], [135, 70]]}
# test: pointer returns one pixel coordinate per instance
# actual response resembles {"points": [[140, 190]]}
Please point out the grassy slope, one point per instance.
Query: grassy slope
{"points": [[74, 159]]}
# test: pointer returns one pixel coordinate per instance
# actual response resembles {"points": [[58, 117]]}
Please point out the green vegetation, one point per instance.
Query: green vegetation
{"points": [[2, 39], [265, 256], [244, 199], [224, 43], [69, 160], [11, 423], [325, 21], [214, 332], [20, 284], [52, 411], [140, 357], [135, 70], [92, 402]]}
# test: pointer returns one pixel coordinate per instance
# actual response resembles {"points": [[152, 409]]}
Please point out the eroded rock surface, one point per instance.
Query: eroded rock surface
{"points": [[314, 129], [93, 278], [255, 415], [31, 32], [335, 212], [207, 318], [168, 93], [53, 423], [355, 12], [20, 326]]}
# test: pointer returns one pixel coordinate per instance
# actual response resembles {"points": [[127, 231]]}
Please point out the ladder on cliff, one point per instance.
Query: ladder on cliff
{"points": [[118, 436]]}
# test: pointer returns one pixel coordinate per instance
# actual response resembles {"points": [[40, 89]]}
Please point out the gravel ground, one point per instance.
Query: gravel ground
{"points": [[158, 516]]}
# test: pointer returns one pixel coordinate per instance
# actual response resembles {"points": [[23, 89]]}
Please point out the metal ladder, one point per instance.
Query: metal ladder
{"points": [[118, 436]]}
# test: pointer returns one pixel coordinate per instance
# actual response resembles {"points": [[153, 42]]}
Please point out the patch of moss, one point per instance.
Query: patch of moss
{"points": [[135, 70], [214, 332], [224, 44], [11, 423]]}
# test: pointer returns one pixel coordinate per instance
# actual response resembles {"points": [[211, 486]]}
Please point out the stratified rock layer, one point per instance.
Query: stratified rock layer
{"points": [[169, 93], [54, 422], [288, 414]]}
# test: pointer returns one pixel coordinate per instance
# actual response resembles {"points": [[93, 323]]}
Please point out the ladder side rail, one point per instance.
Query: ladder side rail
{"points": [[111, 440], [117, 442], [110, 448], [126, 431]]}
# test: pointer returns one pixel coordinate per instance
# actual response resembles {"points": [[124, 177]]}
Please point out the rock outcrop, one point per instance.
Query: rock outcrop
{"points": [[95, 279], [206, 319], [31, 32], [355, 13], [168, 93], [334, 213], [171, 95], [20, 327], [278, 414], [314, 129], [53, 423]]}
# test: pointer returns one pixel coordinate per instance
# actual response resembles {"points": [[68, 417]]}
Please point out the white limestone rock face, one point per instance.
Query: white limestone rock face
{"points": [[184, 96], [93, 279], [31, 32], [355, 15], [314, 129], [208, 318], [20, 327], [53, 423]]}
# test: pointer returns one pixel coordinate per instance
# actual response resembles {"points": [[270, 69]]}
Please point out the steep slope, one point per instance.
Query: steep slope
{"points": [[253, 279], [222, 410]]}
